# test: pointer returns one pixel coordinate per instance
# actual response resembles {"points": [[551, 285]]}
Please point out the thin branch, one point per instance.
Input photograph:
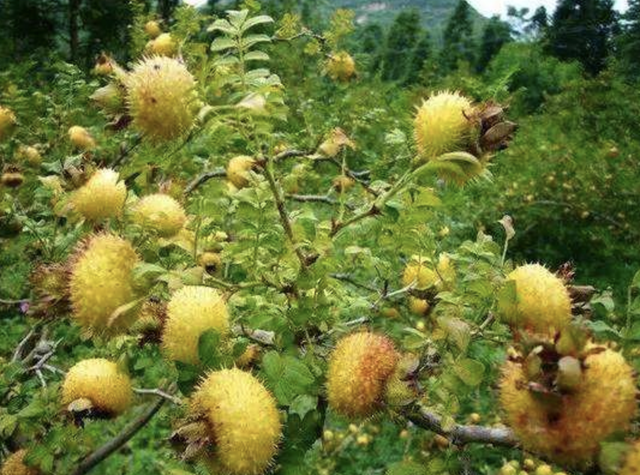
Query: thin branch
{"points": [[349, 279], [317, 199], [119, 440], [13, 302], [389, 295], [203, 178], [160, 393], [263, 337], [461, 434], [17, 354], [124, 152], [290, 154]]}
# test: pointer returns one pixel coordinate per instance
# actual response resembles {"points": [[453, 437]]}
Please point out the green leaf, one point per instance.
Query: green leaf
{"points": [[406, 467], [188, 376], [209, 349], [471, 372], [8, 424], [256, 56], [303, 404], [250, 40], [427, 198], [256, 20], [635, 282], [508, 300], [457, 331], [222, 43], [287, 376], [224, 26]]}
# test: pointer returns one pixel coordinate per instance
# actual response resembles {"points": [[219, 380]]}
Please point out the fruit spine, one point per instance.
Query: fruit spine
{"points": [[359, 368], [243, 420], [101, 281], [101, 382], [191, 311]]}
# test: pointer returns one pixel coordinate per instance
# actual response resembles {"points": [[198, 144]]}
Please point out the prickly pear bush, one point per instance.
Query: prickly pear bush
{"points": [[224, 276]]}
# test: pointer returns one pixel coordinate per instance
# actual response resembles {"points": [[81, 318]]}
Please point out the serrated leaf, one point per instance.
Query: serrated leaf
{"points": [[209, 349], [303, 404], [457, 331], [256, 56], [427, 198], [287, 376], [471, 372], [224, 26], [251, 40], [256, 20]]}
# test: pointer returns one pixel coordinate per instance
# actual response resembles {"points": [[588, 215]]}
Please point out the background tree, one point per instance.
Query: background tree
{"points": [[583, 30], [629, 41], [400, 45], [422, 53], [496, 34], [458, 41]]}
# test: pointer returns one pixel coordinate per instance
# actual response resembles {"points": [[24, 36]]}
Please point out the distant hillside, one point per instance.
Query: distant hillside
{"points": [[434, 13]]}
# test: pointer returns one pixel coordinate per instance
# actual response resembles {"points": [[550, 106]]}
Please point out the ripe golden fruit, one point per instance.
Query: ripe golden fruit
{"points": [[238, 169], [12, 179], [163, 45], [101, 281], [418, 306], [152, 28], [81, 138], [442, 124], [161, 97], [363, 439], [390, 312], [245, 418], [568, 428], [359, 368], [101, 382], [419, 273], [541, 303], [102, 196], [7, 122], [543, 469], [475, 418], [30, 154], [327, 435], [441, 441], [14, 465], [191, 311], [508, 469], [335, 143], [343, 183], [159, 213], [341, 67], [631, 464]]}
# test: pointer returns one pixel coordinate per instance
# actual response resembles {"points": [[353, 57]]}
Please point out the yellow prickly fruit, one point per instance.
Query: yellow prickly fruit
{"points": [[152, 28], [541, 303], [244, 419], [341, 66], [160, 213], [191, 311], [14, 465], [543, 469], [631, 464], [81, 138], [418, 306], [100, 282], [568, 428], [237, 170], [336, 141], [248, 356], [102, 196], [419, 273], [161, 97], [359, 368], [163, 45], [7, 122], [30, 154], [442, 124], [101, 382]]}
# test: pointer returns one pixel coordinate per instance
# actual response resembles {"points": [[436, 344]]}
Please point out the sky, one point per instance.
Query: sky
{"points": [[493, 7]]}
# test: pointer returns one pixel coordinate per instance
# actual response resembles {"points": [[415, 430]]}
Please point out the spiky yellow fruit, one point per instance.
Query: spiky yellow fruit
{"points": [[101, 281], [161, 97], [101, 382], [152, 28], [343, 183], [7, 122], [211, 261], [238, 169], [419, 273], [418, 306], [160, 213], [541, 303], [191, 311], [14, 465], [359, 369], [442, 124], [631, 464], [30, 154], [163, 45], [341, 66], [569, 427], [244, 421], [81, 138], [102, 196]]}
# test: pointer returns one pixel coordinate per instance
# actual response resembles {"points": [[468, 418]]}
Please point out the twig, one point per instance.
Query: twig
{"points": [[119, 440], [349, 279], [160, 393], [317, 199], [290, 154], [13, 302], [263, 337], [203, 178], [124, 152], [17, 354], [389, 295], [461, 434]]}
